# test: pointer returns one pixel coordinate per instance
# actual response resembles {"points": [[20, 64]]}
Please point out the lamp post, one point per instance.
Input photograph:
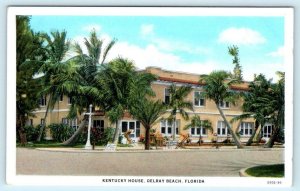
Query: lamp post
{"points": [[88, 142]]}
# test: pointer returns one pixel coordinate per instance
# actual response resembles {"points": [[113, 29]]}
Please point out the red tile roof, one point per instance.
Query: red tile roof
{"points": [[234, 87]]}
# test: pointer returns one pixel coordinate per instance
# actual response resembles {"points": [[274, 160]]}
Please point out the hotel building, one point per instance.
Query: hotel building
{"points": [[205, 108]]}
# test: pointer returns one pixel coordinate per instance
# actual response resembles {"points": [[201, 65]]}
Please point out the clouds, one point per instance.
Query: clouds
{"points": [[147, 29], [152, 56], [280, 52], [241, 36], [147, 32]]}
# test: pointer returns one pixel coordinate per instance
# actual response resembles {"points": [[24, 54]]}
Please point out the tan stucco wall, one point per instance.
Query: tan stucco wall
{"points": [[206, 112]]}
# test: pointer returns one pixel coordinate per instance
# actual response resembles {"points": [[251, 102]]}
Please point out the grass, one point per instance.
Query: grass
{"points": [[48, 144], [276, 170]]}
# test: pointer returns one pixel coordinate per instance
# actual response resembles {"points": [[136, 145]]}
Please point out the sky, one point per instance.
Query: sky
{"points": [[194, 44]]}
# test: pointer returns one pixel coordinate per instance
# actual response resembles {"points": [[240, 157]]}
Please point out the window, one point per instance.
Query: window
{"points": [[99, 124], [61, 97], [134, 126], [198, 99], [69, 100], [224, 104], [166, 127], [222, 129], [246, 128], [73, 123], [42, 121], [167, 96], [29, 122], [43, 101], [267, 130], [64, 121], [196, 131]]}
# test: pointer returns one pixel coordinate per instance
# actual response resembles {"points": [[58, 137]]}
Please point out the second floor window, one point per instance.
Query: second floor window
{"points": [[43, 101], [167, 96], [224, 104], [69, 100], [61, 97], [198, 99]]}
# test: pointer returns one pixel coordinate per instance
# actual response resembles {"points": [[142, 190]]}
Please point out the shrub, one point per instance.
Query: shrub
{"points": [[97, 136], [61, 132], [31, 132]]}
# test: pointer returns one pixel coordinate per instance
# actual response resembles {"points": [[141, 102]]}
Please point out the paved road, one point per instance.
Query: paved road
{"points": [[205, 162]]}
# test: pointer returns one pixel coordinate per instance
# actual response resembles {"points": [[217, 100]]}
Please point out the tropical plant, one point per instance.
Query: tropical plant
{"points": [[56, 49], [29, 48], [237, 71], [90, 90], [178, 104], [60, 132], [148, 112], [122, 86], [31, 132], [278, 102], [196, 122], [217, 88], [257, 104]]}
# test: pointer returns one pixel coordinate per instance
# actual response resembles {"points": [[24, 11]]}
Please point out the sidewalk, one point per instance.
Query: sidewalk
{"points": [[140, 148]]}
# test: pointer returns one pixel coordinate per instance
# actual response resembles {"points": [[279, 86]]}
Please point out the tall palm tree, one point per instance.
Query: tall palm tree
{"points": [[148, 112], [91, 92], [278, 102], [178, 104], [197, 122], [257, 104], [217, 88], [29, 56], [237, 71], [122, 85], [56, 49]]}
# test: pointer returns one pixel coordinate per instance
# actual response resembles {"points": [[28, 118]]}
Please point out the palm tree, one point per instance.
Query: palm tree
{"points": [[178, 104], [278, 102], [217, 88], [56, 49], [122, 85], [237, 71], [29, 50], [257, 104], [148, 113], [90, 92], [196, 122]]}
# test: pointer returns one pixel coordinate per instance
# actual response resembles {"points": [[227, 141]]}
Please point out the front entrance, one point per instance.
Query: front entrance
{"points": [[134, 126]]}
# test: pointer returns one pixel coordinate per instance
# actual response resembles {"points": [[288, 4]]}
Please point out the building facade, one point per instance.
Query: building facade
{"points": [[205, 108]]}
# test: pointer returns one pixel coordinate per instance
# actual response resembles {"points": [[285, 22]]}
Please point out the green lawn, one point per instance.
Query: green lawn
{"points": [[276, 170], [48, 144]]}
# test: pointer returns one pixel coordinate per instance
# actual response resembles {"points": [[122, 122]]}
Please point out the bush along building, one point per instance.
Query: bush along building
{"points": [[201, 106]]}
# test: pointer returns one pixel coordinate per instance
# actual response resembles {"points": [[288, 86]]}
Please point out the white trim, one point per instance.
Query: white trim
{"points": [[53, 111], [177, 84]]}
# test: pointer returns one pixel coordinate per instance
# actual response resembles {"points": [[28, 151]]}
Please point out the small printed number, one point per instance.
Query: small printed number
{"points": [[274, 182]]}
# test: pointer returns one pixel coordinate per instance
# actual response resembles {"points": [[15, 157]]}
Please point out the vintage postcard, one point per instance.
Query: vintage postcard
{"points": [[145, 96]]}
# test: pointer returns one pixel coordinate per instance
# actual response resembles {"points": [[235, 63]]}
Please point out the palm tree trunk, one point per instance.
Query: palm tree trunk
{"points": [[21, 131], [72, 140], [174, 127], [43, 125], [235, 138], [272, 139], [116, 134], [147, 138], [250, 140]]}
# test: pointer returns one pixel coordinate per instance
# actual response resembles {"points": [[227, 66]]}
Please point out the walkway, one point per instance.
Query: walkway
{"points": [[204, 162]]}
